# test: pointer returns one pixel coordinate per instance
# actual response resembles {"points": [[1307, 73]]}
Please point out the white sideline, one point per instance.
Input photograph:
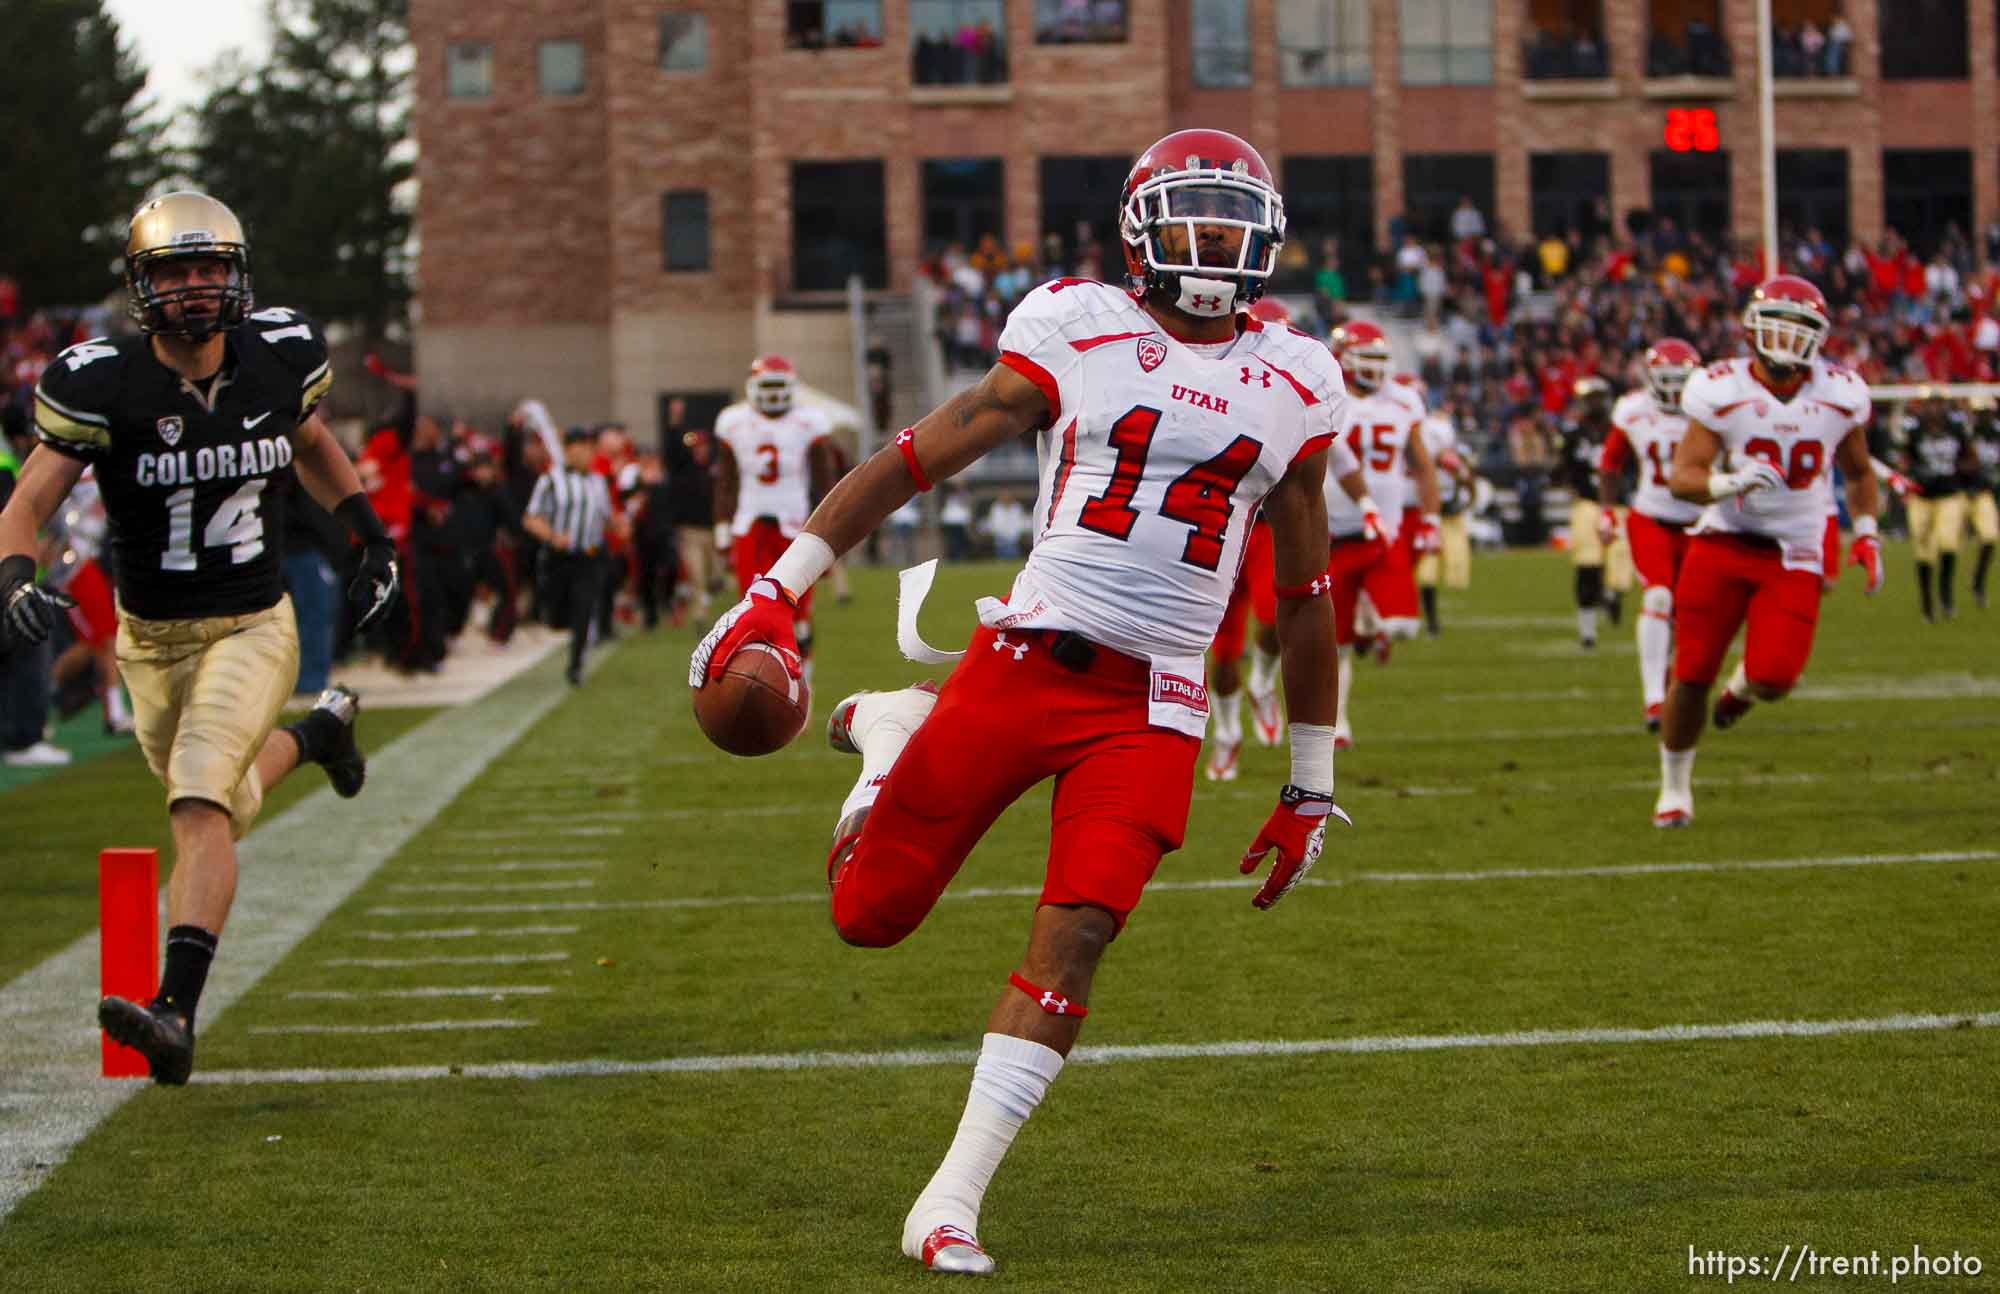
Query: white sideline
{"points": [[467, 932], [1237, 883], [486, 959], [460, 990], [418, 1026], [1366, 1045], [297, 869], [580, 864], [488, 887]]}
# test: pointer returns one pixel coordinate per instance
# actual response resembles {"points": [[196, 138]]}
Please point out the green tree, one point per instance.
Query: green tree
{"points": [[311, 148], [78, 148]]}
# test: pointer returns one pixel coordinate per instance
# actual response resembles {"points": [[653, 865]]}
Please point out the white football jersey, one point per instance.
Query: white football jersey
{"points": [[773, 468], [1797, 436], [1439, 438], [1153, 463], [1377, 430], [1654, 434]]}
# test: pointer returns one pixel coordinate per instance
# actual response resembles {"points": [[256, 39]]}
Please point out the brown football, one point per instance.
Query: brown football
{"points": [[756, 706]]}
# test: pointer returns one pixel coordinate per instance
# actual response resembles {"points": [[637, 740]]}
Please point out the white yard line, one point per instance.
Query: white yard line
{"points": [[466, 932], [518, 833], [438, 991], [1235, 883], [297, 869], [418, 1026], [1362, 1046], [576, 865], [490, 887], [483, 959]]}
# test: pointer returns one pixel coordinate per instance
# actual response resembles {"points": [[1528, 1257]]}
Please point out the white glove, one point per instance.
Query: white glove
{"points": [[723, 536], [1752, 476]]}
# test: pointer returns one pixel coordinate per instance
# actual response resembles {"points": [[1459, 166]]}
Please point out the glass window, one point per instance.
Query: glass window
{"points": [[1330, 214], [559, 67], [1927, 196], [1435, 187], [468, 71], [965, 201], [1924, 40], [958, 42], [1690, 195], [1685, 39], [1812, 199], [1565, 38], [1080, 215], [1447, 42], [1221, 43], [1068, 22], [836, 24], [1569, 191], [838, 225], [683, 42], [1323, 42], [684, 229]]}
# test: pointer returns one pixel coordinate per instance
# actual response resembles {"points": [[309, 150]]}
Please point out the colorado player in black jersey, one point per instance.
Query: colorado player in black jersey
{"points": [[1938, 457], [187, 425], [1590, 553]]}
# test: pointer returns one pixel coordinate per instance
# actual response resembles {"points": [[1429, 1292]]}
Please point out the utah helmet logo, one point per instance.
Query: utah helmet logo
{"points": [[1152, 353], [170, 431]]}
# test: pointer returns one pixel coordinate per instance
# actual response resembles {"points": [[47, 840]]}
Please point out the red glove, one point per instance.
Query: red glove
{"points": [[1866, 552], [1904, 487], [764, 615], [1428, 538], [1607, 526], [1297, 830]]}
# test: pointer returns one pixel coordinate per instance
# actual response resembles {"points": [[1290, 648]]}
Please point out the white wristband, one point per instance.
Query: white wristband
{"points": [[1312, 757], [803, 563], [1864, 527]]}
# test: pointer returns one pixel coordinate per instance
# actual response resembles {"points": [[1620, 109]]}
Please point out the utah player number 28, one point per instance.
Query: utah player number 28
{"points": [[236, 526], [1201, 497]]}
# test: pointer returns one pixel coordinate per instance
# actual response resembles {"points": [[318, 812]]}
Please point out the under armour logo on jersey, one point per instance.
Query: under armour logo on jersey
{"points": [[1019, 649], [1264, 377], [1152, 353]]}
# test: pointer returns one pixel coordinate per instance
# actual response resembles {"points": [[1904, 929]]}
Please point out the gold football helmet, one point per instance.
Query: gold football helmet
{"points": [[186, 224]]}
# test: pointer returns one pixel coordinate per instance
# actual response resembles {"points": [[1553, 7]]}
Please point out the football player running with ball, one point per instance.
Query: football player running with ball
{"points": [[187, 424], [1166, 414], [1782, 417]]}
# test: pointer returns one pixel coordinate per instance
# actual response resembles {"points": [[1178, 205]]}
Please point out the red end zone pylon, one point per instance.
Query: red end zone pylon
{"points": [[128, 940]]}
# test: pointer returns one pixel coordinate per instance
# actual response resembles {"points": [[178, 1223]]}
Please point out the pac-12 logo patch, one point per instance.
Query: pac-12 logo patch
{"points": [[1152, 353], [170, 431]]}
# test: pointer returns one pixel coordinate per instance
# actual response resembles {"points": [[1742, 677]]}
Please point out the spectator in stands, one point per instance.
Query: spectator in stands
{"points": [[1531, 451], [1431, 287], [955, 522], [1839, 41], [691, 506], [1467, 224], [653, 538], [24, 669], [1007, 523]]}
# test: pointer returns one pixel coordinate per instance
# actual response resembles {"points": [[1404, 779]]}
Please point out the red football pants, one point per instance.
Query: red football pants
{"points": [[756, 551], [1658, 549], [1357, 565], [1008, 717], [1256, 593], [1728, 582]]}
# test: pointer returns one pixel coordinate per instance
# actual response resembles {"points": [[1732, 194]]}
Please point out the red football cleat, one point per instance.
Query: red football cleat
{"points": [[948, 1249]]}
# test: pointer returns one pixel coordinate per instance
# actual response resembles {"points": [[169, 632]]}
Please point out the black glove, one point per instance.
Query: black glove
{"points": [[374, 585], [27, 610]]}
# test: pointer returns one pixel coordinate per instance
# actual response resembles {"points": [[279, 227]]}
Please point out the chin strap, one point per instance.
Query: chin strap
{"points": [[1206, 298]]}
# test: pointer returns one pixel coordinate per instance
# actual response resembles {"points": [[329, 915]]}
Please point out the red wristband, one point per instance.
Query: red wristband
{"points": [[1052, 1002], [906, 444], [1317, 587]]}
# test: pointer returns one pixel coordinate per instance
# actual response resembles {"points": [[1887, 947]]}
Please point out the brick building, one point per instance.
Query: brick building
{"points": [[625, 198]]}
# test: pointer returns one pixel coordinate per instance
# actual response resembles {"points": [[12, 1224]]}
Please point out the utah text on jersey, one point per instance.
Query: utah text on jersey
{"points": [[185, 470]]}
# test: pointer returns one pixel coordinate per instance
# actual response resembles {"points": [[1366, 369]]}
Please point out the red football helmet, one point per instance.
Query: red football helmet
{"points": [[1363, 353], [773, 382], [1669, 363], [1191, 179], [1270, 310], [1787, 321]]}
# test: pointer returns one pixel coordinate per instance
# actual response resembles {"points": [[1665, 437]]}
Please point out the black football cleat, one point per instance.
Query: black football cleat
{"points": [[1730, 709], [156, 1033], [343, 761]]}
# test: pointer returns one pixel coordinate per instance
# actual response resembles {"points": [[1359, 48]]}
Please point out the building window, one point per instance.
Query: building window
{"points": [[1565, 39], [1811, 38], [468, 71], [684, 230], [1443, 192], [958, 42], [838, 225], [965, 200], [833, 24], [1330, 213], [1685, 39], [559, 67], [1323, 42], [1072, 22], [1927, 196], [1569, 191], [1447, 42], [1812, 202], [1924, 40], [1080, 215], [1221, 43], [1690, 196], [683, 42]]}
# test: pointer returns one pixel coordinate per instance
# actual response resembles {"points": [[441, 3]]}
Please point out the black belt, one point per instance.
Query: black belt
{"points": [[1071, 650]]}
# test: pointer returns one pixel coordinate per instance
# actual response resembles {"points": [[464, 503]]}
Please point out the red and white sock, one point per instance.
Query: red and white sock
{"points": [[1008, 1083], [1228, 717]]}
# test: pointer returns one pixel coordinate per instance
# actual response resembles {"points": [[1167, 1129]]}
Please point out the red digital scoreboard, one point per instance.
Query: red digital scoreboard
{"points": [[1691, 130]]}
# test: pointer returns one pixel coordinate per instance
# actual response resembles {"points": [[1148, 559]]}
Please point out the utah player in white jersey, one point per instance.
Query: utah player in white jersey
{"points": [[1782, 418], [1380, 428], [1165, 416], [774, 458], [1646, 426], [1451, 563]]}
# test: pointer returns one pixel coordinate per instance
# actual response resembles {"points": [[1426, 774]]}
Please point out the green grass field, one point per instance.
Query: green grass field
{"points": [[679, 916]]}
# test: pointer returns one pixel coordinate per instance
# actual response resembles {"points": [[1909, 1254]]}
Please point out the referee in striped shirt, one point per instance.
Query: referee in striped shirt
{"points": [[570, 511]]}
